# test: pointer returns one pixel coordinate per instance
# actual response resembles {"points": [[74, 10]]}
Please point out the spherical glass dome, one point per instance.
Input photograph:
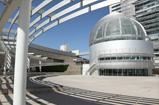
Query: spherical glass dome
{"points": [[116, 26]]}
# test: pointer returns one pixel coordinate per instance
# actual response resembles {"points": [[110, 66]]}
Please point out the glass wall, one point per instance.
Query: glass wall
{"points": [[123, 72]]}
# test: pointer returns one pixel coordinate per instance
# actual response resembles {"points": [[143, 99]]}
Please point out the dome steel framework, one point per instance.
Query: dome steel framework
{"points": [[116, 26]]}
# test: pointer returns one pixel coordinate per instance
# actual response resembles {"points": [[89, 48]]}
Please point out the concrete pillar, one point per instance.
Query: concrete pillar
{"points": [[21, 54]]}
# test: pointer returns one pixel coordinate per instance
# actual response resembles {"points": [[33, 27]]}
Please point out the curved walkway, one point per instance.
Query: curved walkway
{"points": [[42, 92], [39, 94], [88, 86]]}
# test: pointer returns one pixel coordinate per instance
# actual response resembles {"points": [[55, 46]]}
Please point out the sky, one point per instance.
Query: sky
{"points": [[74, 33]]}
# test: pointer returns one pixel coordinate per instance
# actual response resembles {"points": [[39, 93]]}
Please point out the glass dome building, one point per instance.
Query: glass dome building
{"points": [[119, 46]]}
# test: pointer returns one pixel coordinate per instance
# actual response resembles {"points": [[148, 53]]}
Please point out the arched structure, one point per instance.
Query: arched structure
{"points": [[44, 15], [44, 19]]}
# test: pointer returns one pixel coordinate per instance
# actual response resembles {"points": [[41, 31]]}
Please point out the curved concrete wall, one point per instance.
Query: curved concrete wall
{"points": [[119, 48]]}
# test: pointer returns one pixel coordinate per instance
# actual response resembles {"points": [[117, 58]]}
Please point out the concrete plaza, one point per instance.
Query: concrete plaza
{"points": [[132, 86]]}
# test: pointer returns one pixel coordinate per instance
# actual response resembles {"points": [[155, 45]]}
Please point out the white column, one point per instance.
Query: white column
{"points": [[21, 53]]}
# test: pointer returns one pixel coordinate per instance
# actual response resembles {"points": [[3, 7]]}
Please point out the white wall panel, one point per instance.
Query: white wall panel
{"points": [[43, 24], [67, 10], [78, 13], [31, 38], [103, 4], [87, 2], [43, 4], [6, 42], [37, 34], [50, 26], [35, 21], [59, 5]]}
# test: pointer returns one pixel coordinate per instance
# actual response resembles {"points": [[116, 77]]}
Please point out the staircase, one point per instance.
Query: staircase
{"points": [[91, 69]]}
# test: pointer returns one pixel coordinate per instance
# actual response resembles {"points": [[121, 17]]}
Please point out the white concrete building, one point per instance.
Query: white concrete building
{"points": [[119, 46]]}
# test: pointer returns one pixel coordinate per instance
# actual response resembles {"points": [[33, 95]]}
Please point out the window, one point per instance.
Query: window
{"points": [[127, 27], [99, 33], [113, 27]]}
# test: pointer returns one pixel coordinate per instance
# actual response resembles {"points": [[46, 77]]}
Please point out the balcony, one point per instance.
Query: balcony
{"points": [[147, 13], [141, 2], [153, 25], [147, 9], [150, 21]]}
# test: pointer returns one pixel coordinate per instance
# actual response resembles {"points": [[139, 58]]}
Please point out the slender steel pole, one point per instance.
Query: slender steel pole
{"points": [[21, 53]]}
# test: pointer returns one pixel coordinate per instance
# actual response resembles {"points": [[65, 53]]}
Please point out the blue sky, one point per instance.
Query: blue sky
{"points": [[74, 32]]}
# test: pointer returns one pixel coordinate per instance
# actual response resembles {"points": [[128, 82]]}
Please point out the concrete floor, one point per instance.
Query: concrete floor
{"points": [[133, 86]]}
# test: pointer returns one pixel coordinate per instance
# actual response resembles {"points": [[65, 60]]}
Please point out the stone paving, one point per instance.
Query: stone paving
{"points": [[147, 87], [6, 99]]}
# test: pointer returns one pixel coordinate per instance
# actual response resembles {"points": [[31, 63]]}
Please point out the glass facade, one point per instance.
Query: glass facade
{"points": [[123, 72], [118, 27]]}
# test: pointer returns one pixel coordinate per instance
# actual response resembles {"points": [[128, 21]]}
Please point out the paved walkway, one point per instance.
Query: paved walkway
{"points": [[132, 86], [7, 99], [41, 94]]}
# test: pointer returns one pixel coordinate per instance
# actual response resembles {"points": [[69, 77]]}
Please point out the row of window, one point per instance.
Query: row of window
{"points": [[125, 58], [123, 72]]}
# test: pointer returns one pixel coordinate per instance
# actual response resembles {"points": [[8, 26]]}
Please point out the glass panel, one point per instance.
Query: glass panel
{"points": [[140, 30], [125, 72], [100, 71], [145, 72], [107, 72], [110, 72], [119, 72], [114, 72], [99, 33], [113, 27], [129, 72], [127, 27]]}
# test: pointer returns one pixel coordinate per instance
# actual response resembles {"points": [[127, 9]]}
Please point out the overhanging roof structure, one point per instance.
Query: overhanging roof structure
{"points": [[45, 15]]}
